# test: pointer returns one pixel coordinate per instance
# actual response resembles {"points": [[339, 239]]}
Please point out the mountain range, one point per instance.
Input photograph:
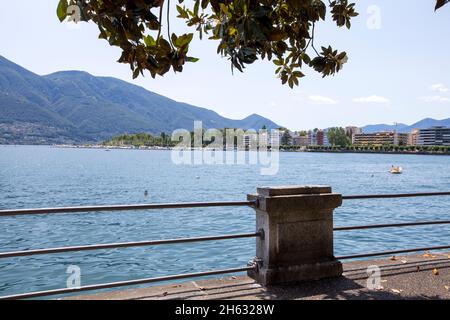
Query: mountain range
{"points": [[404, 128], [76, 107]]}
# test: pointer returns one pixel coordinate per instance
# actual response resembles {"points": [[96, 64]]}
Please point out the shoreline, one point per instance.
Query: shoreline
{"points": [[158, 148], [422, 153]]}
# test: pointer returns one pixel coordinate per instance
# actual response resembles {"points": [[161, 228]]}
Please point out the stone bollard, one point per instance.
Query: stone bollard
{"points": [[297, 227]]}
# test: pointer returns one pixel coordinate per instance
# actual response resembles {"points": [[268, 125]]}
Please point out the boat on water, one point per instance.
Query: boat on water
{"points": [[396, 170]]}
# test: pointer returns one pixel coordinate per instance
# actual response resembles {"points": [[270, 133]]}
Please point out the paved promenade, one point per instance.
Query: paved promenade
{"points": [[422, 276]]}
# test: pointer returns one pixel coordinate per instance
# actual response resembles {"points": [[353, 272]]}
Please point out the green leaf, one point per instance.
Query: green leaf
{"points": [[61, 10], [192, 59], [149, 41], [278, 62], [196, 7]]}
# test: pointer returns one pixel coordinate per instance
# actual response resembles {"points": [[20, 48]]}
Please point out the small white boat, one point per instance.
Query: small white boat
{"points": [[396, 170]]}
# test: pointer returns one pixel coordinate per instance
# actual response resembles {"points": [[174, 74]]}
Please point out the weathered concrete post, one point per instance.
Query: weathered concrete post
{"points": [[297, 223]]}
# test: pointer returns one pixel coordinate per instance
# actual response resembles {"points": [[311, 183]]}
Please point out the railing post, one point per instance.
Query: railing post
{"points": [[297, 227]]}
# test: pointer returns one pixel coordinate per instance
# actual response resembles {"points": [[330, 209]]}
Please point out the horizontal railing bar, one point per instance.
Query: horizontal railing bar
{"points": [[123, 283], [384, 253], [391, 225], [102, 208], [18, 212], [124, 245], [399, 195]]}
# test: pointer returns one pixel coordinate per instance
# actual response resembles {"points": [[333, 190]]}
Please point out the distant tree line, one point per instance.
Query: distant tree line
{"points": [[140, 140]]}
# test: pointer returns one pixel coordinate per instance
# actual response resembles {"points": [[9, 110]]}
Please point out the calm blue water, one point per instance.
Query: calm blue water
{"points": [[45, 177]]}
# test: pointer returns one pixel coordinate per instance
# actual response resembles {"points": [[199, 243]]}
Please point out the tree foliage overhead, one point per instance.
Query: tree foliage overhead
{"points": [[247, 30], [441, 3]]}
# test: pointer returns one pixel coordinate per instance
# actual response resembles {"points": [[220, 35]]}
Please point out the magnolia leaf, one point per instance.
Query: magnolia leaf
{"points": [[192, 59], [61, 10]]}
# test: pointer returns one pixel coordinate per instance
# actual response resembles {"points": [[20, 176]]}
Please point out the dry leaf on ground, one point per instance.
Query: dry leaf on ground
{"points": [[436, 272]]}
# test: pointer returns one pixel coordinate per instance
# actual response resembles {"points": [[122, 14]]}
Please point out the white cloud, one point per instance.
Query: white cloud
{"points": [[439, 87], [371, 99], [435, 99], [441, 95], [322, 100]]}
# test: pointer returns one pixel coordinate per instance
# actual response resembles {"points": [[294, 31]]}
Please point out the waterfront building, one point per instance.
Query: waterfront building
{"points": [[274, 137], [413, 137], [326, 142], [318, 137], [434, 136], [300, 141], [351, 131], [381, 138], [312, 138]]}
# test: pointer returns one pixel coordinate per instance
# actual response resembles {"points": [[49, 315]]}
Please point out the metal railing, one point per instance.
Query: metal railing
{"points": [[393, 225], [19, 212], [4, 255], [396, 195], [125, 245], [123, 284], [260, 234]]}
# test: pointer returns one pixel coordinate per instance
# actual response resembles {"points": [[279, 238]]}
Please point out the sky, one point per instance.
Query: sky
{"points": [[398, 68]]}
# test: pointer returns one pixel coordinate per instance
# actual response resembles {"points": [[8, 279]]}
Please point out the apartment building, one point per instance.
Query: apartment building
{"points": [[351, 131], [414, 137], [381, 138], [300, 141], [434, 136], [318, 138]]}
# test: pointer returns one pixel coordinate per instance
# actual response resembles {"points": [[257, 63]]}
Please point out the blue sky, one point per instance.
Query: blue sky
{"points": [[398, 71]]}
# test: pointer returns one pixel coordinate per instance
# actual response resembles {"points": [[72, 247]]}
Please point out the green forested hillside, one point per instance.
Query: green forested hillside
{"points": [[75, 106]]}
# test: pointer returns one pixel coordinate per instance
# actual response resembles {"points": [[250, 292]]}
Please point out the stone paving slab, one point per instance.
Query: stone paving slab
{"points": [[423, 276]]}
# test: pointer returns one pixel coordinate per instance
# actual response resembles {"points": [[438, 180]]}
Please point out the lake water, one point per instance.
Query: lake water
{"points": [[34, 176]]}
